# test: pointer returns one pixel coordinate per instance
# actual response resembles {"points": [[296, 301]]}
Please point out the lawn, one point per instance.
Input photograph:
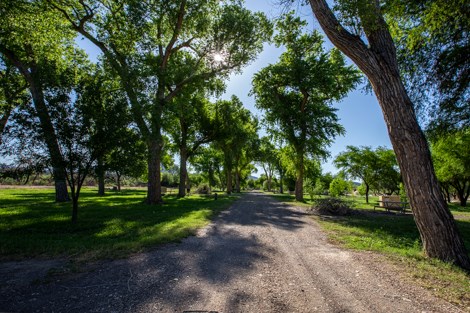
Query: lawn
{"points": [[33, 225], [396, 236]]}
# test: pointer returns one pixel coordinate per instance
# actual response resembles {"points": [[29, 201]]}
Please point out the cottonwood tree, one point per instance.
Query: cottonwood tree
{"points": [[267, 158], [432, 40], [208, 161], [451, 158], [40, 48], [127, 157], [370, 46], [159, 48], [189, 123], [104, 107], [13, 91], [235, 126], [376, 168], [297, 92]]}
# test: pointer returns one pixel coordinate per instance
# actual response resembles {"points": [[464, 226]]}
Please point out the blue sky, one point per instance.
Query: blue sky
{"points": [[359, 112]]}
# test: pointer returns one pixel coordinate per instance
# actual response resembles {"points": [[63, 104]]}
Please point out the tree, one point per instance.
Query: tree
{"points": [[160, 48], [376, 168], [208, 161], [432, 40], [375, 55], [236, 126], [267, 157], [13, 91], [359, 162], [40, 49], [451, 158], [104, 107], [296, 93], [190, 126], [127, 158], [338, 186]]}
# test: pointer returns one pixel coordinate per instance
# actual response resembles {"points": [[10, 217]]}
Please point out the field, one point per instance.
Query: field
{"points": [[32, 225]]}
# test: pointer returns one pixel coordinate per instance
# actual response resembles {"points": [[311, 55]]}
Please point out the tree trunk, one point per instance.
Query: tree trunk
{"points": [[154, 188], [31, 75], [118, 181], [378, 61], [3, 121], [462, 193], [237, 181], [58, 163], [229, 180], [183, 171], [281, 176], [367, 193], [299, 183], [100, 172]]}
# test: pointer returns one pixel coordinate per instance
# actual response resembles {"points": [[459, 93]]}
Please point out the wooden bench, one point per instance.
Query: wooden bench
{"points": [[392, 206]]}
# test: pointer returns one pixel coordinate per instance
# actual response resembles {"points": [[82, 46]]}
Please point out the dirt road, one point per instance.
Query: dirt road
{"points": [[259, 256]]}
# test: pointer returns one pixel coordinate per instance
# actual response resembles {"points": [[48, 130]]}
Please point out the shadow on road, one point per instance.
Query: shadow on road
{"points": [[173, 276]]}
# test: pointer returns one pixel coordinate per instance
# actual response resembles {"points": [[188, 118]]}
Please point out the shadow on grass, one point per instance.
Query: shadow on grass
{"points": [[385, 231], [112, 224], [174, 277]]}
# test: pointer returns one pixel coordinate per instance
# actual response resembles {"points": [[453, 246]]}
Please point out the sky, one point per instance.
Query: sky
{"points": [[359, 112]]}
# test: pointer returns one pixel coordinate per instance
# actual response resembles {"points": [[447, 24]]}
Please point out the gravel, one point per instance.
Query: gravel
{"points": [[258, 256]]}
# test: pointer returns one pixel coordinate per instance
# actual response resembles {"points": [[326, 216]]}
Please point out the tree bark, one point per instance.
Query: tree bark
{"points": [[118, 181], [237, 180], [31, 74], [378, 61], [154, 188], [183, 171], [281, 176], [100, 173], [299, 183], [3, 121], [367, 193], [229, 180]]}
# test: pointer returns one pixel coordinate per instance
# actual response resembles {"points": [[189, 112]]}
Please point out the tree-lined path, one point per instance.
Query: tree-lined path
{"points": [[258, 256]]}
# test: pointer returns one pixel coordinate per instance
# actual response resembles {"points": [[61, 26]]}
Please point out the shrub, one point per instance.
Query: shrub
{"points": [[331, 206], [203, 189]]}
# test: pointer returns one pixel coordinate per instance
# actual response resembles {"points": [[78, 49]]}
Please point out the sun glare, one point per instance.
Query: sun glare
{"points": [[219, 58]]}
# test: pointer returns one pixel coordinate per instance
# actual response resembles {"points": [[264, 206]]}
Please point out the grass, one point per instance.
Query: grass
{"points": [[33, 225], [396, 236]]}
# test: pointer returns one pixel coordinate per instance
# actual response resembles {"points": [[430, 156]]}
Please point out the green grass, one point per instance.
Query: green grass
{"points": [[32, 225], [396, 236]]}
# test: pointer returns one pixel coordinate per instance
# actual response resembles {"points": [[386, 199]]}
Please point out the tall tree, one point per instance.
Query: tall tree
{"points": [[375, 54], [359, 163], [235, 126], [39, 48], [296, 93], [13, 91], [451, 157], [190, 126], [267, 157], [432, 39], [376, 168], [104, 107], [160, 48]]}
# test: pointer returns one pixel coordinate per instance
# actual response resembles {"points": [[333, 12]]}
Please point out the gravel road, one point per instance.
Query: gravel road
{"points": [[258, 256]]}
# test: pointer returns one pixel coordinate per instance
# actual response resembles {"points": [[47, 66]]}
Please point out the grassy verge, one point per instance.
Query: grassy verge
{"points": [[396, 236], [32, 225]]}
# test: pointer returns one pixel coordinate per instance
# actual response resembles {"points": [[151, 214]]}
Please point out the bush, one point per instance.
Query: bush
{"points": [[331, 206], [203, 189], [338, 186]]}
